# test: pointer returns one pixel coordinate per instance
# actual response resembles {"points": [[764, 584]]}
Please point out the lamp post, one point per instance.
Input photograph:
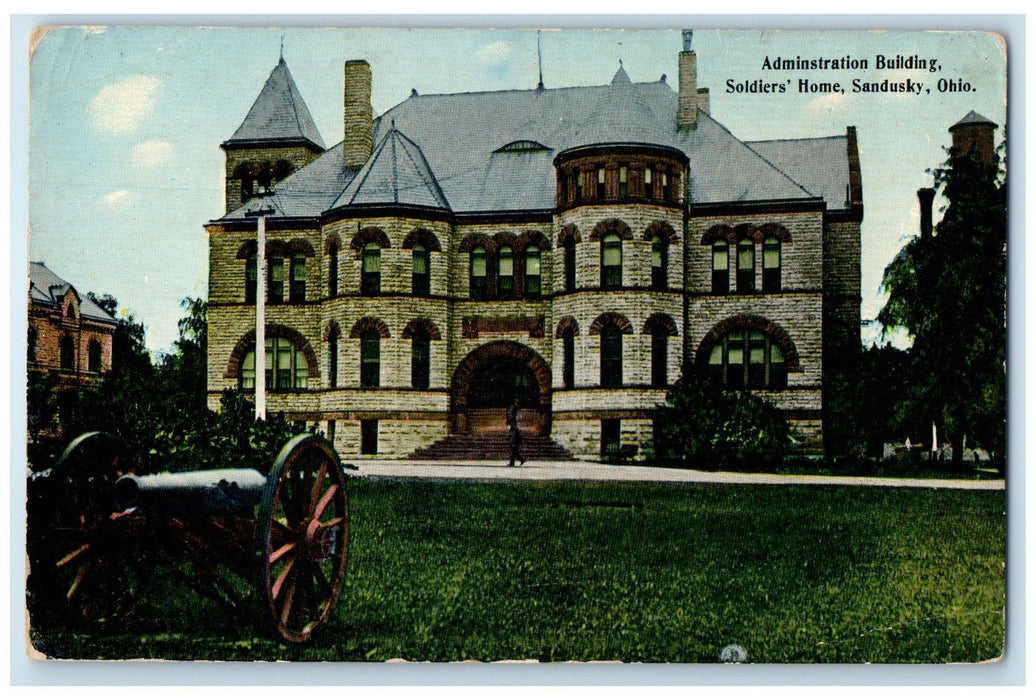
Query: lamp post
{"points": [[261, 212]]}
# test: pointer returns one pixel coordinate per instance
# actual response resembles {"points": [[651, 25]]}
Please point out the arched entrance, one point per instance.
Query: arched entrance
{"points": [[488, 379]]}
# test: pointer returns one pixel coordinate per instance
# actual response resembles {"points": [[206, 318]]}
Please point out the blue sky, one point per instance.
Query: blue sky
{"points": [[125, 166]]}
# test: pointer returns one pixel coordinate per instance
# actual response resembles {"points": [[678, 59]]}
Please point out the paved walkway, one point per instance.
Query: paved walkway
{"points": [[593, 471]]}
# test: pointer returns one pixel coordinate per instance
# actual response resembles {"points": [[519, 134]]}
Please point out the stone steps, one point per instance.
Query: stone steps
{"points": [[466, 448]]}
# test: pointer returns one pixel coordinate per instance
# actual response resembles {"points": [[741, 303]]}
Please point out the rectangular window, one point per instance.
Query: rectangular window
{"points": [[505, 273], [276, 286], [477, 278], [579, 184], [623, 185], [298, 279], [370, 281], [420, 362], [659, 359], [332, 274], [600, 183], [532, 272], [332, 362], [369, 437], [745, 267], [568, 371], [610, 438], [720, 268], [648, 191], [370, 360], [251, 278], [570, 265], [420, 279], [771, 266]]}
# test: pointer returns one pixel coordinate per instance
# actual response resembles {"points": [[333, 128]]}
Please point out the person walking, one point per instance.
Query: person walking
{"points": [[514, 434]]}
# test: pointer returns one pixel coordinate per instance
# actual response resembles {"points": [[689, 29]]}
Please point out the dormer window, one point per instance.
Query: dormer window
{"points": [[523, 146]]}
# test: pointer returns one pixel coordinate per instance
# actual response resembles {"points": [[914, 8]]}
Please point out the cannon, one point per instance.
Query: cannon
{"points": [[97, 530]]}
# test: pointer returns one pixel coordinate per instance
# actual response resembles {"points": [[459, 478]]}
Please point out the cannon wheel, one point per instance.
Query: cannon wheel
{"points": [[89, 558], [303, 532]]}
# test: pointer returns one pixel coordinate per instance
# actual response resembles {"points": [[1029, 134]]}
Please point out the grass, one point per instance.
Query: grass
{"points": [[635, 572]]}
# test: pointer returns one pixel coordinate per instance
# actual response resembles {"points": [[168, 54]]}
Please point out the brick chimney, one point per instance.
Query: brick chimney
{"points": [[358, 115], [925, 197], [687, 114]]}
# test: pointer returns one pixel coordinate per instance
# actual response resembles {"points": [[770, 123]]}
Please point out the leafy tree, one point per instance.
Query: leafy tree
{"points": [[948, 290], [700, 425], [883, 401]]}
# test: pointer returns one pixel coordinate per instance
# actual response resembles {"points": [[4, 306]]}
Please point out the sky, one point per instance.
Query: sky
{"points": [[125, 167]]}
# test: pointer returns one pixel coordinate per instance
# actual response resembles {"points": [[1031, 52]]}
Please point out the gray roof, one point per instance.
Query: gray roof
{"points": [[48, 289], [396, 173], [972, 118], [278, 114], [819, 165], [453, 151]]}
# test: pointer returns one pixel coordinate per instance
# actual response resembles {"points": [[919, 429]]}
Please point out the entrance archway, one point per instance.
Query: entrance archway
{"points": [[489, 378]]}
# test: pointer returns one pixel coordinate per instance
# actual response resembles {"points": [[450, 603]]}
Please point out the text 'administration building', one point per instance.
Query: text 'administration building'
{"points": [[572, 247]]}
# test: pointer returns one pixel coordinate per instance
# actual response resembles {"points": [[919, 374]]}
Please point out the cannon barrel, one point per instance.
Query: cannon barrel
{"points": [[216, 490]]}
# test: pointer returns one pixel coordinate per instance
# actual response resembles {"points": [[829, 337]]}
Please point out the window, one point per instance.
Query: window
{"points": [[33, 339], [667, 193], [420, 281], [611, 261], [747, 360], [610, 434], [332, 272], [745, 266], [420, 364], [659, 263], [332, 361], [67, 351], [579, 184], [611, 356], [570, 265], [93, 356], [659, 358], [600, 183], [369, 436], [771, 265], [370, 275], [370, 359], [648, 188], [505, 272], [251, 277], [276, 283], [533, 279], [568, 368], [286, 367], [720, 267], [623, 185], [477, 277], [298, 279]]}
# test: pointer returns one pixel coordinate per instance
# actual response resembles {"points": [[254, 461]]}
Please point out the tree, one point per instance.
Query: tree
{"points": [[948, 290]]}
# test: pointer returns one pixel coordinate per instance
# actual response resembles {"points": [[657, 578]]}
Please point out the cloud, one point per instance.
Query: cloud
{"points": [[114, 199], [150, 154], [496, 52], [828, 104], [123, 106]]}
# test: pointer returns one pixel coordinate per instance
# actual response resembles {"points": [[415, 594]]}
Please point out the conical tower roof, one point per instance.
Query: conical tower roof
{"points": [[396, 173], [973, 118], [279, 114], [621, 114]]}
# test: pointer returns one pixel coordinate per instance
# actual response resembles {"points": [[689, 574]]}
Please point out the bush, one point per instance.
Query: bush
{"points": [[704, 427]]}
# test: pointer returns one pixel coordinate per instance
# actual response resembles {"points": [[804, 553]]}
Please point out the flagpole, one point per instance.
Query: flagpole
{"points": [[260, 310]]}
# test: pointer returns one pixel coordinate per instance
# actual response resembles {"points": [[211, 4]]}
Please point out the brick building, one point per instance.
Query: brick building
{"points": [[573, 247]]}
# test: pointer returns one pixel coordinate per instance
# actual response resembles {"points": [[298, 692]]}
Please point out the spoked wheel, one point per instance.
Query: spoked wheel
{"points": [[89, 558], [303, 530]]}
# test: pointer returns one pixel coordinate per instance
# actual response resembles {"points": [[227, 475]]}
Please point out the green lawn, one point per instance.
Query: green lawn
{"points": [[636, 572]]}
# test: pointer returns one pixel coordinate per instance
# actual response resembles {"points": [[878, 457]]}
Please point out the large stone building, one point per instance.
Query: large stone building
{"points": [[573, 247]]}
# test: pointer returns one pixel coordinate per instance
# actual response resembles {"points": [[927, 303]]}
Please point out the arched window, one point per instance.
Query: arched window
{"points": [[570, 265], [611, 355], [332, 272], [747, 359], [505, 272], [659, 357], [286, 368], [420, 359], [771, 265], [745, 266], [67, 351], [659, 263], [298, 278], [720, 267], [477, 274], [370, 275], [568, 368], [251, 277], [332, 361], [275, 285], [420, 280], [533, 279], [93, 356], [611, 261], [370, 359]]}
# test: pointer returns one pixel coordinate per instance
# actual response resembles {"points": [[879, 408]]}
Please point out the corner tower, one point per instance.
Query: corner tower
{"points": [[277, 137]]}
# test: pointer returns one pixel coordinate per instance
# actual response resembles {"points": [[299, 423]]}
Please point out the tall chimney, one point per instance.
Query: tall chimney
{"points": [[925, 197], [357, 115], [687, 115]]}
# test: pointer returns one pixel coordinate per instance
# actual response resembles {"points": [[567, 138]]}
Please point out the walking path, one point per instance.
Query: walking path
{"points": [[591, 471]]}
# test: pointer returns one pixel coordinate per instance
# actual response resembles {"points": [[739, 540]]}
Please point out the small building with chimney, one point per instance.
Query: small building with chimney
{"points": [[573, 247]]}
